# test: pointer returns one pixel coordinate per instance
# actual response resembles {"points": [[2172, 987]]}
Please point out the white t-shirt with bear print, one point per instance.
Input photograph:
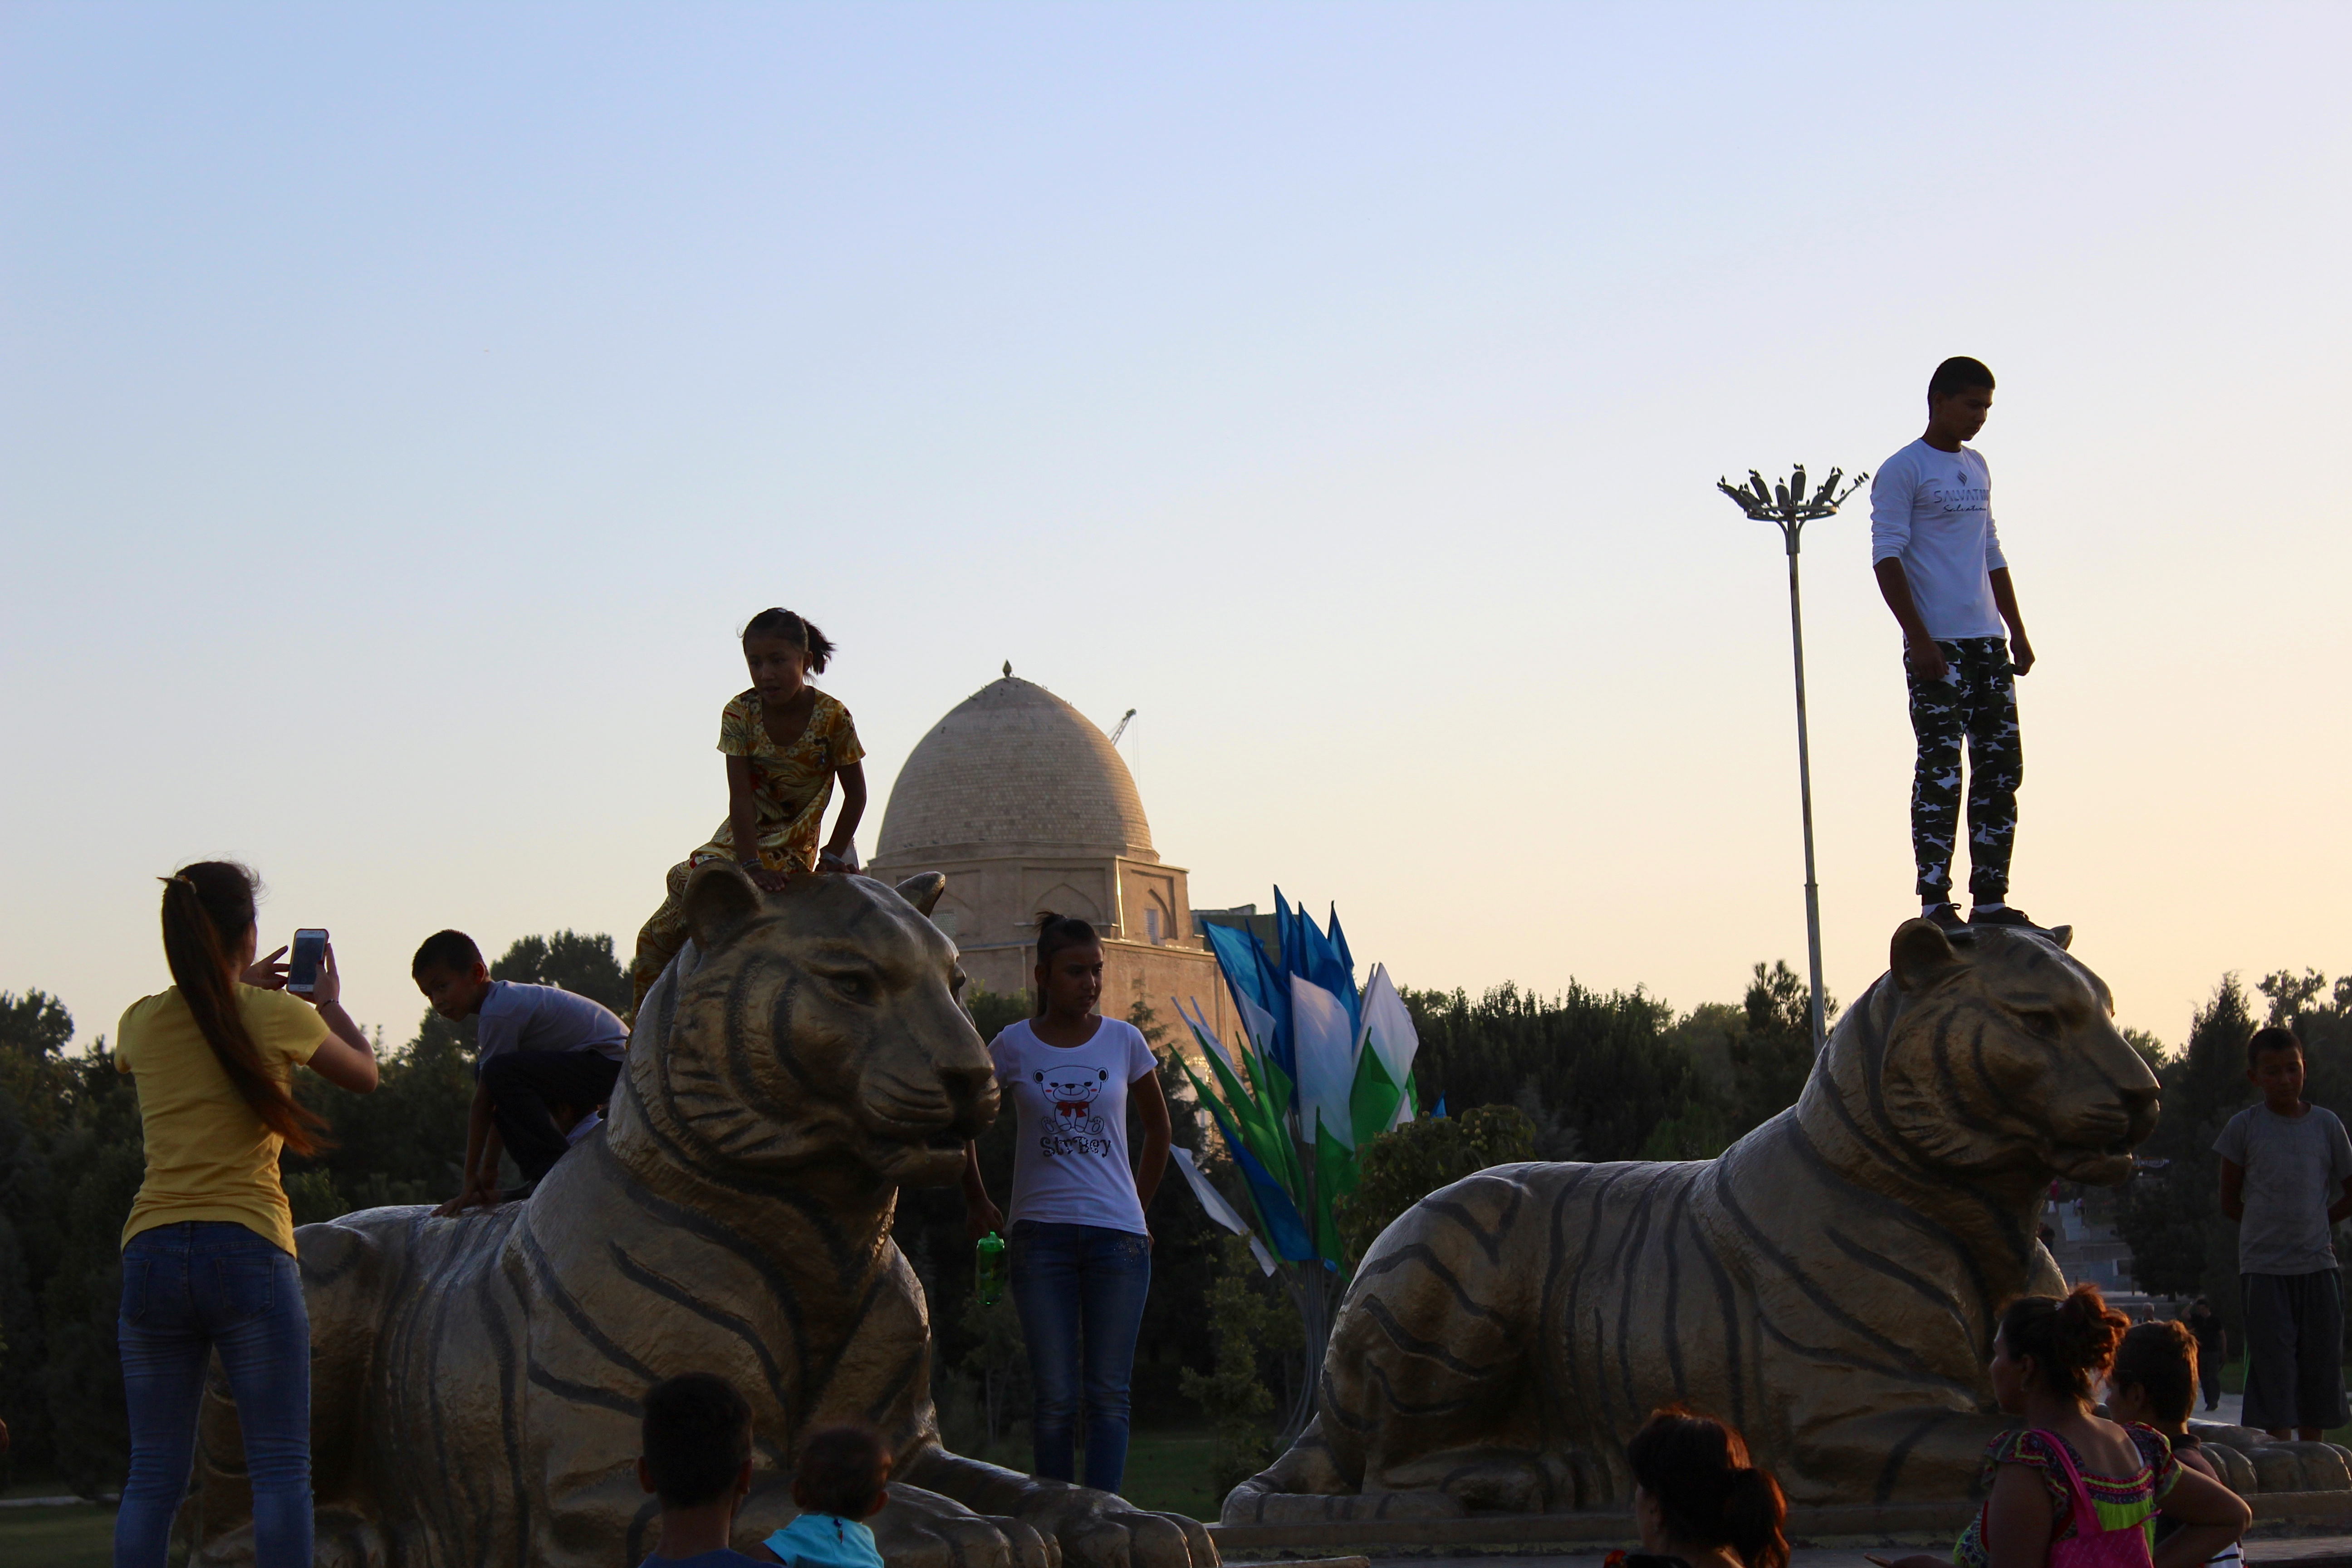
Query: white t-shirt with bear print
{"points": [[1069, 1105]]}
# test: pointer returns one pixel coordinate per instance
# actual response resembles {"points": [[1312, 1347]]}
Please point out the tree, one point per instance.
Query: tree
{"points": [[1406, 1163], [35, 1025], [1258, 1341], [1774, 1056], [2171, 1214], [1598, 1064], [578, 963]]}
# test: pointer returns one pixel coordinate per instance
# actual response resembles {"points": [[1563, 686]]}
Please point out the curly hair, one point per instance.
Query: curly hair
{"points": [[2071, 1338]]}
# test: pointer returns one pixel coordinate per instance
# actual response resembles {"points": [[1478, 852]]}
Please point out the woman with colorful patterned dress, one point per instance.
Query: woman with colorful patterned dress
{"points": [[785, 743], [2069, 1488]]}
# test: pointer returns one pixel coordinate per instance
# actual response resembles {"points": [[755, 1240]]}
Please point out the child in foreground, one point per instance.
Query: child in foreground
{"points": [[2066, 1487], [840, 1483], [696, 1460], [2154, 1383], [1698, 1501]]}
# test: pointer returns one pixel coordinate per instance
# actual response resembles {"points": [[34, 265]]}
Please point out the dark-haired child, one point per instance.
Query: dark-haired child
{"points": [[1939, 567], [2154, 1383], [697, 1459], [785, 743], [543, 1057], [2287, 1179], [842, 1481], [2064, 1465], [1698, 1501]]}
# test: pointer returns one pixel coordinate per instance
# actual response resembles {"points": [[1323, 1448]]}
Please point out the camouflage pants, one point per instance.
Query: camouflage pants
{"points": [[1976, 704]]}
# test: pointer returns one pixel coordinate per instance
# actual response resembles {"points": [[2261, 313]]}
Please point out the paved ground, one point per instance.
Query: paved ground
{"points": [[2311, 1551]]}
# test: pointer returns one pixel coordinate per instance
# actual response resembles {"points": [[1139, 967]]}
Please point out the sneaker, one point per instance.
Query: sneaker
{"points": [[1947, 917], [2003, 917]]}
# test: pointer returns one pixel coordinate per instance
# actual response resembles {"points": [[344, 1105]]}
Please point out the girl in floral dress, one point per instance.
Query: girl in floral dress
{"points": [[785, 743]]}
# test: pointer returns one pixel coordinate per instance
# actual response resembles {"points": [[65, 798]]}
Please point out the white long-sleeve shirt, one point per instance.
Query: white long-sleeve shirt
{"points": [[1932, 510]]}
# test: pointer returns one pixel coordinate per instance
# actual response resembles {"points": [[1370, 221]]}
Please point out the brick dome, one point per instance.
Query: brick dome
{"points": [[1014, 767]]}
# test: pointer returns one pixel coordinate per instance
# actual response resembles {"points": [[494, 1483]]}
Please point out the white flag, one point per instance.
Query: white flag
{"points": [[1327, 1060], [1388, 1028], [1218, 1209]]}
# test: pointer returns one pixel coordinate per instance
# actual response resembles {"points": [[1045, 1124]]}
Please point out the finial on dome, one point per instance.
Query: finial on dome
{"points": [[1008, 669]]}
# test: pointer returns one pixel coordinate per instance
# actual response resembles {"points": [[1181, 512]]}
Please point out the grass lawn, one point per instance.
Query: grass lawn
{"points": [[1170, 1471], [1167, 1470], [82, 1536]]}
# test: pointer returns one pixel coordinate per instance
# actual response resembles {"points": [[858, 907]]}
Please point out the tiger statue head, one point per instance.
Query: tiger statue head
{"points": [[817, 1028], [1990, 1057]]}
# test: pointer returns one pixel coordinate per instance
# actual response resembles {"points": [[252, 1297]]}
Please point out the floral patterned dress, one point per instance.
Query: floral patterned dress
{"points": [[791, 787], [2120, 1501]]}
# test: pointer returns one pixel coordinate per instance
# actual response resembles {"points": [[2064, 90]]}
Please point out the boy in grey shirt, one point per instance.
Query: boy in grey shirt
{"points": [[2287, 1179], [544, 1058]]}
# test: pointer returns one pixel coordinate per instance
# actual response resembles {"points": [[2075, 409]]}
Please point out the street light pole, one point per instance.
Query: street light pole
{"points": [[1788, 506]]}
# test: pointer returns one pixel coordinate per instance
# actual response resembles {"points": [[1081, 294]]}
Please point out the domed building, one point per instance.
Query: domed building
{"points": [[1026, 806]]}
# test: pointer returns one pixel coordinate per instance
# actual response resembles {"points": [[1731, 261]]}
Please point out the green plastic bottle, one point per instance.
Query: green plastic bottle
{"points": [[988, 1268]]}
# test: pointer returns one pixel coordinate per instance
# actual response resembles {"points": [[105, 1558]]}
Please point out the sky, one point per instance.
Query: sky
{"points": [[403, 407]]}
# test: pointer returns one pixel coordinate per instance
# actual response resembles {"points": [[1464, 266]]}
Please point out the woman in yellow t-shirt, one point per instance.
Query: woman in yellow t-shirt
{"points": [[208, 1253], [784, 742]]}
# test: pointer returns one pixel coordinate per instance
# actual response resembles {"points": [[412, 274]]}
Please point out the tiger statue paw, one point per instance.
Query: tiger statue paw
{"points": [[920, 1529], [476, 1380], [1830, 1285], [1093, 1529]]}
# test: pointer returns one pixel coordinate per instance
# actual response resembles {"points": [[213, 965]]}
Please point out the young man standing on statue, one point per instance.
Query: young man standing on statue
{"points": [[1939, 566]]}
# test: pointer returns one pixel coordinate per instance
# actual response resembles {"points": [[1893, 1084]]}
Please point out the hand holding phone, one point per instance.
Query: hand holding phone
{"points": [[309, 958]]}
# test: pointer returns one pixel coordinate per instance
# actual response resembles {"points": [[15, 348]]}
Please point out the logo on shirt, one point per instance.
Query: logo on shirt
{"points": [[1072, 1128]]}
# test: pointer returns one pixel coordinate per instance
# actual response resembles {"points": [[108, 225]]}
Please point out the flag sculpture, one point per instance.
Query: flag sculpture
{"points": [[1321, 1069]]}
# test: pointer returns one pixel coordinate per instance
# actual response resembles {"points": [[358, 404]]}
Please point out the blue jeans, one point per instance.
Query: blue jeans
{"points": [[188, 1290], [1074, 1281]]}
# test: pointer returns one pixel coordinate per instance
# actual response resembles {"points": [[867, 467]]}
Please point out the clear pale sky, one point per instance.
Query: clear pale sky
{"points": [[404, 405]]}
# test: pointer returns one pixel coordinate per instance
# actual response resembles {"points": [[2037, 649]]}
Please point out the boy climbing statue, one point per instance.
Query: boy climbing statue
{"points": [[1938, 562]]}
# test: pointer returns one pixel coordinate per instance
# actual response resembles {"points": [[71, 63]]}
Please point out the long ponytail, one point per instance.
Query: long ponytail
{"points": [[207, 910]]}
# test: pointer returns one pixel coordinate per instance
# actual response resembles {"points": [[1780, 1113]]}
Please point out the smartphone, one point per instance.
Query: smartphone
{"points": [[302, 964]]}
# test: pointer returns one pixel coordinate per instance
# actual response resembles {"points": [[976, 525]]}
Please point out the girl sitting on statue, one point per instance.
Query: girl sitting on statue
{"points": [[785, 743]]}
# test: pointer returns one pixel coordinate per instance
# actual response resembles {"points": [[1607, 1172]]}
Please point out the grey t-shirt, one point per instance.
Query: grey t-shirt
{"points": [[520, 1017], [2296, 1166]]}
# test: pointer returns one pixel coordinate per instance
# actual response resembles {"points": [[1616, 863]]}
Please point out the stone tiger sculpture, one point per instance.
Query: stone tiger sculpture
{"points": [[475, 1381], [1830, 1285]]}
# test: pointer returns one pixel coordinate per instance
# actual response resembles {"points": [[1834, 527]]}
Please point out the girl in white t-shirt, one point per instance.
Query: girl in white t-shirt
{"points": [[1080, 1252]]}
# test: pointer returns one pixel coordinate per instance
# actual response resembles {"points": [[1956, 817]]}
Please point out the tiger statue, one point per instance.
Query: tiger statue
{"points": [[475, 1381], [1830, 1285]]}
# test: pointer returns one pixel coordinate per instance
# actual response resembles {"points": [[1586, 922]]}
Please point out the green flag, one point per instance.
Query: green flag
{"points": [[1373, 1100], [1335, 1177]]}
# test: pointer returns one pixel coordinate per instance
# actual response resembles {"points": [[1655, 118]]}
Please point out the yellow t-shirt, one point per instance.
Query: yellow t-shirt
{"points": [[209, 1154]]}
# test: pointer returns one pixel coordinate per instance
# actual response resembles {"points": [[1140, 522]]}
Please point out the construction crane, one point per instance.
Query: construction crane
{"points": [[1120, 728]]}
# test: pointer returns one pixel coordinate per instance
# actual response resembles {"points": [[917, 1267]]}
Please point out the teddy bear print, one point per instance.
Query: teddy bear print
{"points": [[1074, 1127]]}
